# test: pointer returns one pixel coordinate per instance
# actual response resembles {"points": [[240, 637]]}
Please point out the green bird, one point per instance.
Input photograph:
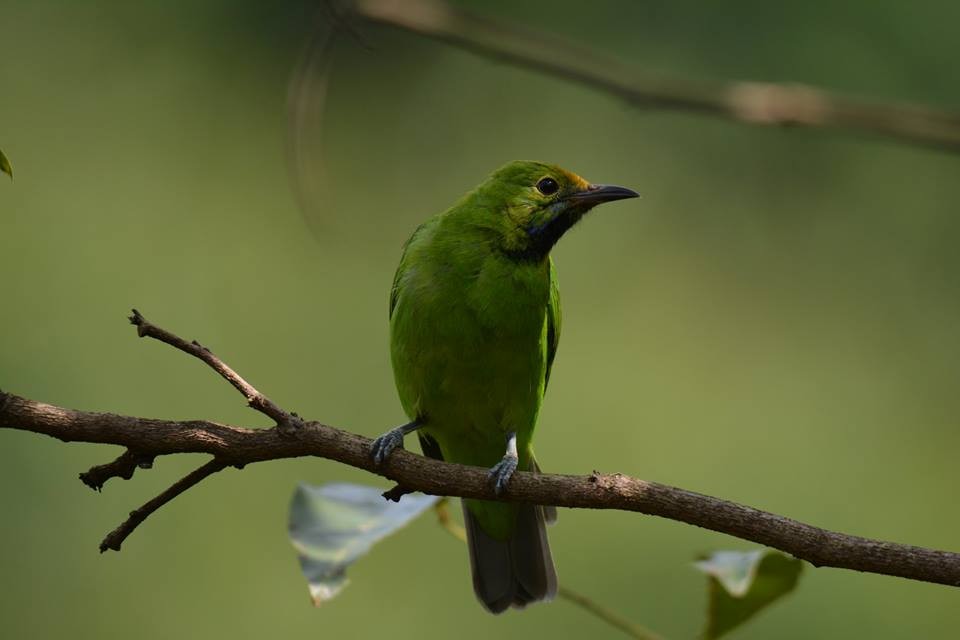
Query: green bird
{"points": [[474, 327]]}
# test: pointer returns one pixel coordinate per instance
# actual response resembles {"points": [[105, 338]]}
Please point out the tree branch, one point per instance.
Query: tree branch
{"points": [[122, 467], [255, 399], [238, 446], [748, 102], [115, 538]]}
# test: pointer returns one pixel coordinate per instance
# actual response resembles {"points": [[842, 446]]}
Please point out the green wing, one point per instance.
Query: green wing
{"points": [[428, 445], [395, 289], [553, 319]]}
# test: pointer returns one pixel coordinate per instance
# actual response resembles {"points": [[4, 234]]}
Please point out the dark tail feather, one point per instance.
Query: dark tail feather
{"points": [[516, 571]]}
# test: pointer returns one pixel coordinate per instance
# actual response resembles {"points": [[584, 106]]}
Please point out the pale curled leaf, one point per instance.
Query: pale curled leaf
{"points": [[333, 525], [5, 165], [741, 584]]}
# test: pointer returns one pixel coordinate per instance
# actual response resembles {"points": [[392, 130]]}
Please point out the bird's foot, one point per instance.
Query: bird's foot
{"points": [[388, 442], [500, 474], [385, 445]]}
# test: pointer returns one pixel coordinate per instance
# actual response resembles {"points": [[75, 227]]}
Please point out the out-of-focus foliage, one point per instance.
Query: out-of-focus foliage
{"points": [[774, 322], [5, 165], [741, 584], [333, 525]]}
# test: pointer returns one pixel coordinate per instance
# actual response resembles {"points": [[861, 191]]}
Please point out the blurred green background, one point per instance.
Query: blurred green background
{"points": [[775, 322]]}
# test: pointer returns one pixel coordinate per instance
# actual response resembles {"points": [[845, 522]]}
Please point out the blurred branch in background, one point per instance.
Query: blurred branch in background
{"points": [[146, 438], [748, 102]]}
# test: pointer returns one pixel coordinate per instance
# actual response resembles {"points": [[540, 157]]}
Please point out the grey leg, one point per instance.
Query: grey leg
{"points": [[385, 444], [501, 473]]}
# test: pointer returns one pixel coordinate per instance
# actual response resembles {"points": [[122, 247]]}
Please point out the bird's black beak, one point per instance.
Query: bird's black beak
{"points": [[599, 193]]}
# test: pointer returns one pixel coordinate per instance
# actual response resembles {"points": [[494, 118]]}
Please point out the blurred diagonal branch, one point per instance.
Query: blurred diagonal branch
{"points": [[146, 438], [756, 103]]}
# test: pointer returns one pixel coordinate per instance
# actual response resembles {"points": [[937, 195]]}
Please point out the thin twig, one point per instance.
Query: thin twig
{"points": [[256, 400], [396, 492], [610, 617], [748, 102], [115, 538], [123, 467], [237, 446]]}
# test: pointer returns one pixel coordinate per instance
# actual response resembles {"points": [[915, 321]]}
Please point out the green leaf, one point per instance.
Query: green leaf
{"points": [[5, 165], [333, 525], [741, 584]]}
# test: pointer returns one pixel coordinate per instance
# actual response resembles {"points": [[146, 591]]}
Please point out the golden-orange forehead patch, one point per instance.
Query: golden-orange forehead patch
{"points": [[579, 183]]}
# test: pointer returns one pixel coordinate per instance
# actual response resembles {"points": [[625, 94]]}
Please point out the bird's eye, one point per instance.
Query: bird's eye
{"points": [[548, 186]]}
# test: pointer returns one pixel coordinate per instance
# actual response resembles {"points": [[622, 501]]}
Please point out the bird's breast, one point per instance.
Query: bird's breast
{"points": [[469, 346]]}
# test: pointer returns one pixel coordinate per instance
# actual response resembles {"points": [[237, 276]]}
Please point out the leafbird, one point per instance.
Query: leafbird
{"points": [[474, 327]]}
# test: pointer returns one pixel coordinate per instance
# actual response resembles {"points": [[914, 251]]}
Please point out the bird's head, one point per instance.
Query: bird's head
{"points": [[530, 205]]}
